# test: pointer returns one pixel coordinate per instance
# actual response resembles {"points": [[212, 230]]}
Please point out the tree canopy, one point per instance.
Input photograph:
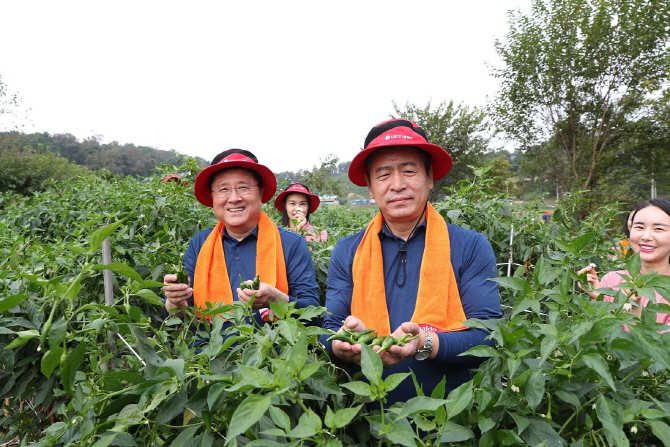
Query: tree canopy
{"points": [[577, 79]]}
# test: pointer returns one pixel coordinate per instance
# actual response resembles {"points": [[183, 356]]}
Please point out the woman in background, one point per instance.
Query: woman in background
{"points": [[296, 205], [650, 236]]}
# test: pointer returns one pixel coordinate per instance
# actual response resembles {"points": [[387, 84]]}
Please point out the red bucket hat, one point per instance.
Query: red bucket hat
{"points": [[398, 132], [314, 200], [233, 158]]}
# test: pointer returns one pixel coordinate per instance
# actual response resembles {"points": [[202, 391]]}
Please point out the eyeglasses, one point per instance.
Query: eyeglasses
{"points": [[225, 192]]}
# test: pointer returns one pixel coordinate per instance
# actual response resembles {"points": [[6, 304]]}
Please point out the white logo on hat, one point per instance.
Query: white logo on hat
{"points": [[404, 137]]}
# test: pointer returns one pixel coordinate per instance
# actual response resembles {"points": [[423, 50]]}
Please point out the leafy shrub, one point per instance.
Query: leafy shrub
{"points": [[75, 371]]}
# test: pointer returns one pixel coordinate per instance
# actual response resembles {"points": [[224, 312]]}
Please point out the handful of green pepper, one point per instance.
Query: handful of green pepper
{"points": [[182, 274], [253, 286], [369, 337]]}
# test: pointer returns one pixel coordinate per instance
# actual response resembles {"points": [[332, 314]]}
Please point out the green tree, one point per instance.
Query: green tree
{"points": [[321, 180], [501, 175], [575, 73], [462, 131]]}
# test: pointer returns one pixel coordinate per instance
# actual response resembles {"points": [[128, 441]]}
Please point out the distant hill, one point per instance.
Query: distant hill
{"points": [[122, 159], [132, 160]]}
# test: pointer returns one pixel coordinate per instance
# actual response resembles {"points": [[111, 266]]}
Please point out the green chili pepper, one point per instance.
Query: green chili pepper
{"points": [[182, 274], [257, 283], [367, 338], [253, 286], [400, 341], [341, 337], [376, 342], [387, 343]]}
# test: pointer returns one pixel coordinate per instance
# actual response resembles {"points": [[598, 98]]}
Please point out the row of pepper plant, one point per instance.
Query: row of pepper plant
{"points": [[75, 371]]}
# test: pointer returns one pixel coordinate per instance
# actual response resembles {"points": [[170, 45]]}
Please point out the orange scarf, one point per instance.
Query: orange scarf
{"points": [[438, 305], [211, 282]]}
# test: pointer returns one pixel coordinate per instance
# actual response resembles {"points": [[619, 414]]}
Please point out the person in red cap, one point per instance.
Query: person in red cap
{"points": [[244, 243], [409, 272], [296, 205]]}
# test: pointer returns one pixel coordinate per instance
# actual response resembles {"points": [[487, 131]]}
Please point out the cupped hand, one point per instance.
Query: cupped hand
{"points": [[398, 354], [592, 278], [346, 351], [176, 294]]}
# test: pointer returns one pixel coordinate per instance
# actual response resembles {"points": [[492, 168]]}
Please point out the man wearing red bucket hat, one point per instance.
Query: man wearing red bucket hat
{"points": [[296, 204], [244, 243], [410, 272]]}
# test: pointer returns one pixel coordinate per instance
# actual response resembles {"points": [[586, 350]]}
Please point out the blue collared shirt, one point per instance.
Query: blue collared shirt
{"points": [[473, 262], [241, 260]]}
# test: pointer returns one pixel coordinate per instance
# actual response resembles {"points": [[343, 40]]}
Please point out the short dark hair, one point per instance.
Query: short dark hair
{"points": [[224, 154], [425, 156]]}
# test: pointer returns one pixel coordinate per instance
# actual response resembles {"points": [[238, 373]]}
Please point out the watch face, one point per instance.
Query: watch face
{"points": [[421, 355]]}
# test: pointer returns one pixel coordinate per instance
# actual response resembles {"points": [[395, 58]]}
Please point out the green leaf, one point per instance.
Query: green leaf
{"points": [[535, 389], [401, 434], [185, 437], [50, 360], [308, 370], [547, 347], [98, 236], [280, 418], [121, 269], [69, 367], [610, 415], [11, 301], [660, 430], [174, 406], [459, 399], [247, 414], [105, 439], [392, 381], [540, 432], [150, 297], [23, 337], [421, 404], [309, 424], [568, 397], [57, 333], [371, 365], [634, 266], [452, 432], [482, 351], [214, 393], [521, 422], [175, 367], [599, 365], [297, 354], [514, 283], [341, 418], [149, 283], [654, 349], [582, 241], [258, 378], [358, 388]]}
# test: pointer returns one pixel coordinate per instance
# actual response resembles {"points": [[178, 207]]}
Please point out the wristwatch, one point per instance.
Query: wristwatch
{"points": [[424, 353]]}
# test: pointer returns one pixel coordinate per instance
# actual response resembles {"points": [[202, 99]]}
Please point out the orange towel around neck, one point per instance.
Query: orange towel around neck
{"points": [[211, 282], [438, 304]]}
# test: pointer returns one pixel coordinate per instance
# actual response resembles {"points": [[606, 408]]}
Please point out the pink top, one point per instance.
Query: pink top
{"points": [[311, 235], [613, 279]]}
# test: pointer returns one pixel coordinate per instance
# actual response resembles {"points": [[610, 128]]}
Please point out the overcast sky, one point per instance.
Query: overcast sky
{"points": [[291, 81]]}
